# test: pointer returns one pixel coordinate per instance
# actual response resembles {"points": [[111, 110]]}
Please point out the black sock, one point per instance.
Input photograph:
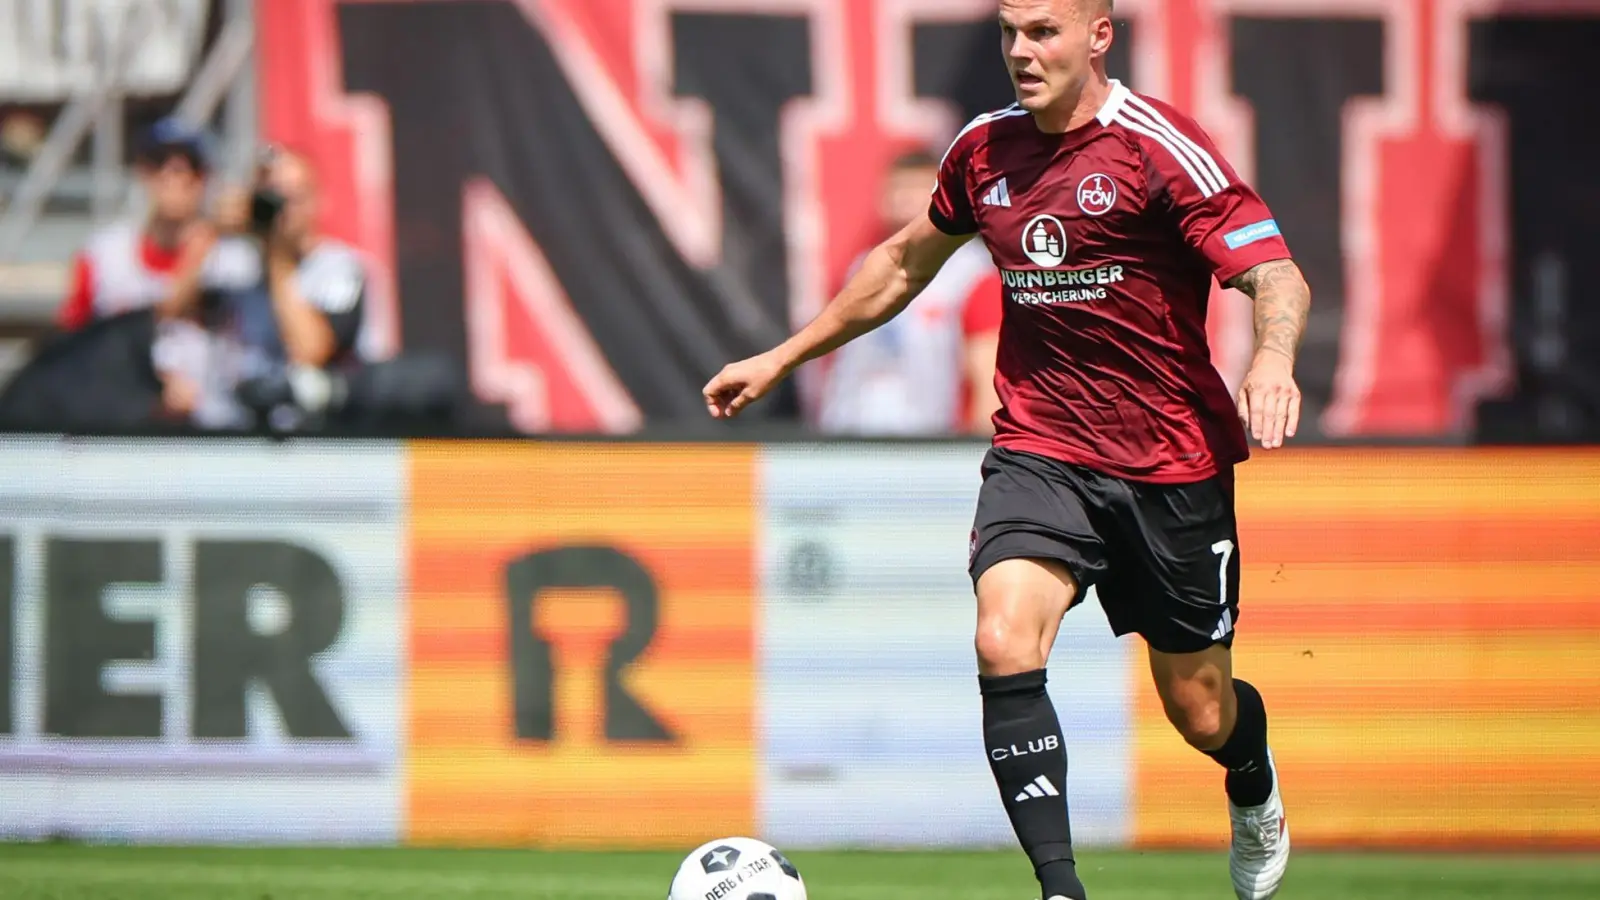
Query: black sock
{"points": [[1023, 738], [1245, 754]]}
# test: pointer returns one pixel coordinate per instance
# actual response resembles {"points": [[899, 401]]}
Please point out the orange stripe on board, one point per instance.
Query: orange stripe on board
{"points": [[1356, 581], [457, 821], [1470, 782], [580, 764], [1289, 542], [479, 568], [1480, 839], [1463, 661], [480, 712], [1424, 700], [1395, 804], [442, 731], [689, 609], [523, 479], [442, 647], [647, 524], [1435, 485], [687, 516], [1357, 619], [456, 711]]}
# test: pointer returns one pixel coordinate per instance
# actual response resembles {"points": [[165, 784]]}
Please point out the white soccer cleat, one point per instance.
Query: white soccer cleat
{"points": [[1260, 853]]}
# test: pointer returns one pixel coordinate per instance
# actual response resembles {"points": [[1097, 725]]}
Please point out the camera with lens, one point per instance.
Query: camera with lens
{"points": [[266, 203]]}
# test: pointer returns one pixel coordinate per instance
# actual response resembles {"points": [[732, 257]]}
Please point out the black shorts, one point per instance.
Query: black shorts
{"points": [[1163, 558]]}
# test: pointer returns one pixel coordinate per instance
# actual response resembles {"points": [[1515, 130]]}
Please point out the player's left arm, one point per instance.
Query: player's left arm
{"points": [[1269, 399], [1229, 225]]}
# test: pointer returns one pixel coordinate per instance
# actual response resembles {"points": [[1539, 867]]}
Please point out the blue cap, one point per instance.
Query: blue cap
{"points": [[172, 134]]}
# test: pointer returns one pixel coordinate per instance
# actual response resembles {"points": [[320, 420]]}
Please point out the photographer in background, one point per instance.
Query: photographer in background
{"points": [[250, 321], [270, 347]]}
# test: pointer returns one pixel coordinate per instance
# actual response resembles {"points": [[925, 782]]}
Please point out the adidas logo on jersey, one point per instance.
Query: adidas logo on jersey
{"points": [[1041, 787], [999, 195]]}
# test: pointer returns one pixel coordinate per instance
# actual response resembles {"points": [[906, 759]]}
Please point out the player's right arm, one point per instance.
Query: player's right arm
{"points": [[890, 277]]}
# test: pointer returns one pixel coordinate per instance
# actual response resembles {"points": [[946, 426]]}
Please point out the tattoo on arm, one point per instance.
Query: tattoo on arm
{"points": [[1282, 300]]}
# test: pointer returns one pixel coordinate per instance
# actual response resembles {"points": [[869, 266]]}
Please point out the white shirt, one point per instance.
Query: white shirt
{"points": [[908, 376]]}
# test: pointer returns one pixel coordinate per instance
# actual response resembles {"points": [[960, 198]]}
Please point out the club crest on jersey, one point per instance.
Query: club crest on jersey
{"points": [[1044, 241], [1097, 194]]}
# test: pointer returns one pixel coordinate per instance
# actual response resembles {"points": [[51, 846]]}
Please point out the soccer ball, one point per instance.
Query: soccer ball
{"points": [[736, 868]]}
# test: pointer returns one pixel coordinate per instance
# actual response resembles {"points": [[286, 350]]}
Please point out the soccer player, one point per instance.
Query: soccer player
{"points": [[1108, 214]]}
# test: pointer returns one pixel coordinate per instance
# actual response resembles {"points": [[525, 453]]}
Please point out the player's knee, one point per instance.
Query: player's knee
{"points": [[1019, 600], [1198, 720], [1007, 646]]}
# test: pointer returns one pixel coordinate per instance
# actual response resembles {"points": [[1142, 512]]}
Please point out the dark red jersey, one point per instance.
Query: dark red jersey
{"points": [[1107, 238]]}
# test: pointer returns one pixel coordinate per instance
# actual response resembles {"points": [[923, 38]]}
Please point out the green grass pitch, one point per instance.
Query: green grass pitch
{"points": [[72, 872]]}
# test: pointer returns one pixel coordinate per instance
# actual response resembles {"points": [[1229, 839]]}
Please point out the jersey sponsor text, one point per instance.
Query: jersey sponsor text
{"points": [[1080, 284]]}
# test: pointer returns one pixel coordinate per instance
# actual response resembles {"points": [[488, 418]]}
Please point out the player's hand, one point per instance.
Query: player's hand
{"points": [[1269, 400], [742, 383]]}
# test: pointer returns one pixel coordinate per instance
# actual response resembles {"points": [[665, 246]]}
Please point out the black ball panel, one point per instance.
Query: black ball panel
{"points": [[719, 859], [784, 864]]}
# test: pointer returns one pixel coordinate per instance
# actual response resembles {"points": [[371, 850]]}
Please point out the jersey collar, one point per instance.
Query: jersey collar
{"points": [[1114, 102]]}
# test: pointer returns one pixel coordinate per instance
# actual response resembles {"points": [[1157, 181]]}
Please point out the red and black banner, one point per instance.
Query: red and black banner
{"points": [[597, 203]]}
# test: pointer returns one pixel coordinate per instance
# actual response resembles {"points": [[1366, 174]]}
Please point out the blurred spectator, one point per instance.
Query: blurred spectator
{"points": [[22, 133], [247, 320], [272, 331], [284, 349], [129, 265], [930, 371]]}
